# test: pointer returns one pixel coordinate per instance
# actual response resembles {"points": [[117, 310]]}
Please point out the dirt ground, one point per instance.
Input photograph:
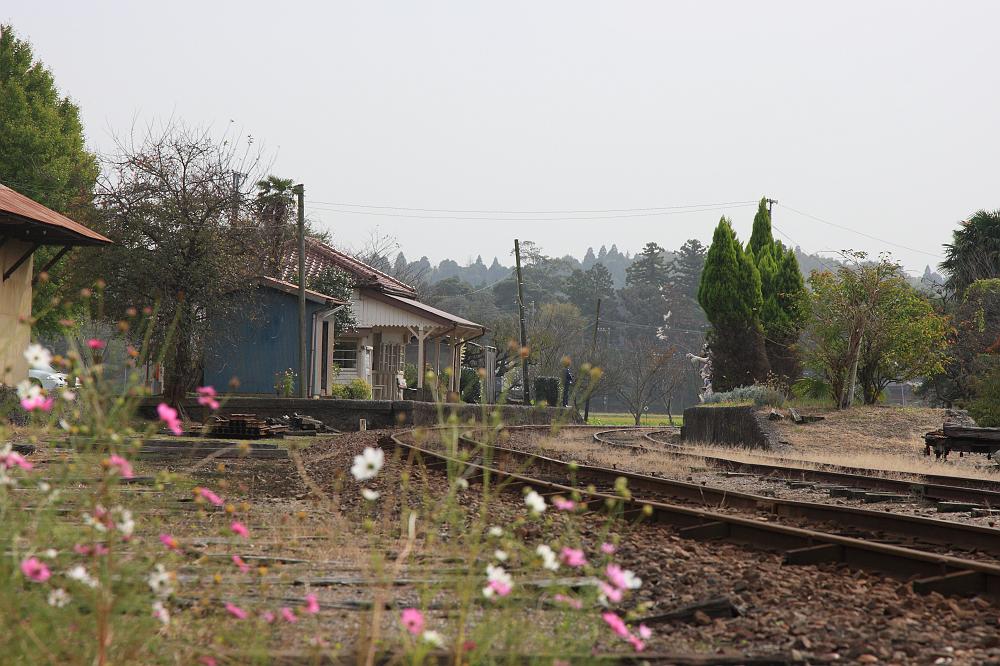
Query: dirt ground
{"points": [[862, 430]]}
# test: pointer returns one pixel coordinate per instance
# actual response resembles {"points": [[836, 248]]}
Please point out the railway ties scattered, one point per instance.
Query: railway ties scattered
{"points": [[979, 497], [928, 570]]}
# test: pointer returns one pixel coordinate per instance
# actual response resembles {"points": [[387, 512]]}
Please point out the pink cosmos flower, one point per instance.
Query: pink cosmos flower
{"points": [[87, 550], [312, 604], [206, 397], [616, 575], [572, 557], [289, 615], [169, 541], [267, 616], [207, 661], [563, 504], [209, 496], [239, 528], [636, 643], [34, 569], [500, 587], [645, 632], [243, 566], [123, 466], [613, 593], [616, 623], [608, 548], [168, 415], [39, 401], [96, 344], [15, 459], [236, 611], [413, 620], [569, 601]]}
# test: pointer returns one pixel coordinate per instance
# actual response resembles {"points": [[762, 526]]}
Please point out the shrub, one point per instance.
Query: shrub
{"points": [[759, 395], [985, 406], [471, 385], [547, 391], [410, 374], [358, 389]]}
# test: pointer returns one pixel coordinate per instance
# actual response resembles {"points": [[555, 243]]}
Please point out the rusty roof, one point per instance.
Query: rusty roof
{"points": [[290, 288], [320, 256], [25, 219]]}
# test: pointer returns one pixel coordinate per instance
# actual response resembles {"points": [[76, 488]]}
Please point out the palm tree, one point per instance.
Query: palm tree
{"points": [[974, 253]]}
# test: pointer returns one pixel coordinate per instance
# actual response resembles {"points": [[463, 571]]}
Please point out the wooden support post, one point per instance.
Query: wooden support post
{"points": [[50, 263]]}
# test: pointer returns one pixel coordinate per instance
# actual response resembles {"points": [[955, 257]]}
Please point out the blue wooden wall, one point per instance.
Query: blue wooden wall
{"points": [[259, 342]]}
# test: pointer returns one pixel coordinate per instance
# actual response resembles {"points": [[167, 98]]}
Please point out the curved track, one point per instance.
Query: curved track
{"points": [[931, 571]]}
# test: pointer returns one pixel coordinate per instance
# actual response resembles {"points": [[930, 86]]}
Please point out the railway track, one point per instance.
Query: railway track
{"points": [[932, 488], [930, 571]]}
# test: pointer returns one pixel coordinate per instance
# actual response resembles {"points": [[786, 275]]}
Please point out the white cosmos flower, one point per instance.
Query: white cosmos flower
{"points": [[368, 464], [58, 597], [125, 523], [68, 396], [432, 637], [500, 555], [50, 554], [79, 574], [535, 502], [632, 581], [160, 582], [27, 390], [38, 356], [461, 484], [499, 574], [549, 560], [369, 494], [496, 531], [160, 612]]}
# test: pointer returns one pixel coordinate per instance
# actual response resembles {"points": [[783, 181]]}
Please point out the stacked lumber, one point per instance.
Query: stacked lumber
{"points": [[960, 435]]}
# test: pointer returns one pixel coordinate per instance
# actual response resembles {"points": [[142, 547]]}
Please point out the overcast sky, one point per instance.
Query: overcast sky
{"points": [[882, 117]]}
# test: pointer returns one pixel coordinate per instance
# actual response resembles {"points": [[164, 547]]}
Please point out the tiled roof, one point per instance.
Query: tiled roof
{"points": [[320, 257], [20, 217], [291, 288]]}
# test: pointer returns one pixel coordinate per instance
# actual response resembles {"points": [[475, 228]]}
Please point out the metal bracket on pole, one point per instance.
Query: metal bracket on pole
{"points": [[17, 264]]}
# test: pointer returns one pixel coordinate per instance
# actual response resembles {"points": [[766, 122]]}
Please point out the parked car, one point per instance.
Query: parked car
{"points": [[47, 377]]}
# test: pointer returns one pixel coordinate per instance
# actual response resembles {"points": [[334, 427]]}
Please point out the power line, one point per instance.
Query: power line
{"points": [[532, 212], [466, 218], [861, 233]]}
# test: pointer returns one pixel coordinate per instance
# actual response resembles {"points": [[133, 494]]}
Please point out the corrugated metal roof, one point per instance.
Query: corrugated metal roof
{"points": [[41, 224], [320, 257]]}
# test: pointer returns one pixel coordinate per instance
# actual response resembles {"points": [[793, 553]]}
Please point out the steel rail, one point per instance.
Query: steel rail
{"points": [[931, 489], [929, 571]]}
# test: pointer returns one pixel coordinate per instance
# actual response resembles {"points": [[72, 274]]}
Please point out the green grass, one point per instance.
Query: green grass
{"points": [[625, 419]]}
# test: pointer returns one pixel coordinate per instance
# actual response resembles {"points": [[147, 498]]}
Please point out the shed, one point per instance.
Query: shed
{"points": [[259, 338], [26, 225]]}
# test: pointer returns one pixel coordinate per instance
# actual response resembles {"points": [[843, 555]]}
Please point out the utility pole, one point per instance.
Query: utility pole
{"points": [[524, 330], [300, 192], [770, 202], [593, 351]]}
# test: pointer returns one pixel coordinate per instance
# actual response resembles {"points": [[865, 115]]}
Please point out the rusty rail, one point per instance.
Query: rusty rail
{"points": [[929, 571]]}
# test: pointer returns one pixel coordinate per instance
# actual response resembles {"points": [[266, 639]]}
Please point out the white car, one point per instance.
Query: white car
{"points": [[47, 378]]}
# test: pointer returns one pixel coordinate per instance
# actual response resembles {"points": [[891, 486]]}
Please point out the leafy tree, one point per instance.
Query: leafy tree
{"points": [[649, 267], [985, 407], [730, 295], [974, 252], [584, 288], [975, 330], [43, 156], [870, 327], [339, 284], [168, 200], [275, 207]]}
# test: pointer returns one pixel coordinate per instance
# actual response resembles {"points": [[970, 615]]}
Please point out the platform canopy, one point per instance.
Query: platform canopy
{"points": [[26, 220]]}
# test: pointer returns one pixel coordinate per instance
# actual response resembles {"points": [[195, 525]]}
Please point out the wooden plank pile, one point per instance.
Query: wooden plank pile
{"points": [[238, 426], [961, 436]]}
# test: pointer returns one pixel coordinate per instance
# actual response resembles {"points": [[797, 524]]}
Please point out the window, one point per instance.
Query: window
{"points": [[345, 353]]}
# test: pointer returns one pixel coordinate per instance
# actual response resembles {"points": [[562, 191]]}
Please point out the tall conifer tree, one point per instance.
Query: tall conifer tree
{"points": [[730, 294]]}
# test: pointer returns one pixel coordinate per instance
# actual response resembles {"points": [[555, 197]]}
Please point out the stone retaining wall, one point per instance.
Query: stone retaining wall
{"points": [[346, 414], [739, 425]]}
